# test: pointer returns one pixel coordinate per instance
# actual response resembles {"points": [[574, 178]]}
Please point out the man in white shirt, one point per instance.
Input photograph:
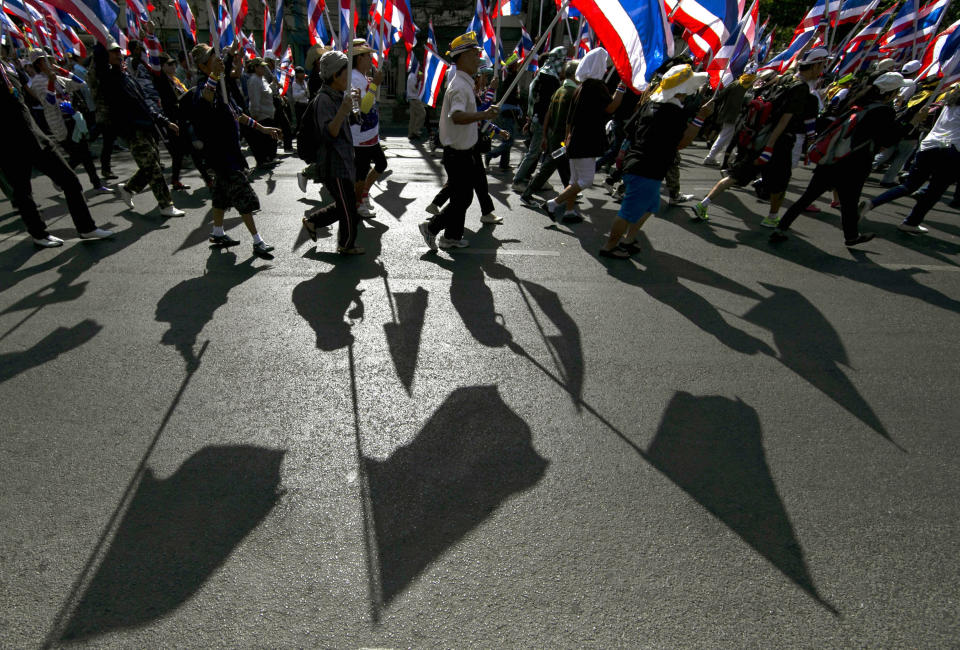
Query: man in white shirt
{"points": [[936, 162], [417, 112], [366, 134], [300, 92], [458, 135]]}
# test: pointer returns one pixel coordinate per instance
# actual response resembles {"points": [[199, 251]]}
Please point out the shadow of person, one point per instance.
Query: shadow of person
{"points": [[190, 305], [331, 302], [175, 534], [472, 455], [202, 231], [57, 342], [712, 448], [810, 346]]}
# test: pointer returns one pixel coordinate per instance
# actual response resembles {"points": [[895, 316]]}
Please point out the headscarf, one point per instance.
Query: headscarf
{"points": [[593, 65]]}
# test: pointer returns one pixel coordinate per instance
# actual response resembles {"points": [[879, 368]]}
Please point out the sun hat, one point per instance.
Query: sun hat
{"points": [[890, 81], [463, 43], [679, 80], [359, 46]]}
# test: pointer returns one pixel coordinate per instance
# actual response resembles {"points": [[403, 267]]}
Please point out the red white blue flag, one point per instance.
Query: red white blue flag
{"points": [[507, 8], [434, 72], [901, 32], [95, 15], [185, 16], [151, 45], [709, 21], [486, 34], [273, 30], [783, 60], [851, 11], [730, 61], [316, 28]]}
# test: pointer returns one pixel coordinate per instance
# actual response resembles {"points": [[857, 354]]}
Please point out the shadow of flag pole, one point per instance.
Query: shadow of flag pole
{"points": [[56, 628]]}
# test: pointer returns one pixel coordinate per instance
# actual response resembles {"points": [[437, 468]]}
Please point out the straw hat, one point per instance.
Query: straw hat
{"points": [[359, 46], [679, 80], [313, 54], [463, 43]]}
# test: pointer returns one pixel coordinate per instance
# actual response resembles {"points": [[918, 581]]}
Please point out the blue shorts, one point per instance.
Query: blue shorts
{"points": [[642, 196]]}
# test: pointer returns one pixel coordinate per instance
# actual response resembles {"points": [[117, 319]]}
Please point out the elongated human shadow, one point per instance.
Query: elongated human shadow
{"points": [[471, 456], [176, 532], [57, 342], [712, 448], [810, 346]]}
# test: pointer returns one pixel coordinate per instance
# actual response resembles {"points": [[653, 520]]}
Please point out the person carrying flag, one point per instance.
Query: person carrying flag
{"points": [[544, 84], [459, 136], [366, 134]]}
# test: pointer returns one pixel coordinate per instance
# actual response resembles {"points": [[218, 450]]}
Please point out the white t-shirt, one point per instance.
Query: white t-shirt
{"points": [[946, 130], [459, 97], [367, 133], [413, 87]]}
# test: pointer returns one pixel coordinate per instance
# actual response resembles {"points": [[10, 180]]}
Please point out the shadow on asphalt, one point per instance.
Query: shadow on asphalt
{"points": [[712, 448], [391, 201], [189, 305], [57, 342], [175, 533], [471, 456]]}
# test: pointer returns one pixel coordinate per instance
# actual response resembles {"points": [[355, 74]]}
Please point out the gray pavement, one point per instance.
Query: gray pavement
{"points": [[717, 444]]}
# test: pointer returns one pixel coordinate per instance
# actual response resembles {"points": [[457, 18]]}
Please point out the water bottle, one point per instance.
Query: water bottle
{"points": [[559, 153]]}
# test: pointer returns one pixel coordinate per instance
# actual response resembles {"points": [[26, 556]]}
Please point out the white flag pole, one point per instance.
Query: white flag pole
{"points": [[215, 32], [497, 48], [536, 48]]}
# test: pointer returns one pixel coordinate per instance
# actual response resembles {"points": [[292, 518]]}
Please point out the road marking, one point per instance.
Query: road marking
{"points": [[496, 251]]}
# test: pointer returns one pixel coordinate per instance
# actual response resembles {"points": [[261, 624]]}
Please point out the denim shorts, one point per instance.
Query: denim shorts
{"points": [[642, 196]]}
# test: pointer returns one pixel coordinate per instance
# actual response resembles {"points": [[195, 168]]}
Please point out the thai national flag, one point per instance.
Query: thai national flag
{"points": [[901, 32], [10, 28], [224, 26], [816, 17], [932, 66], [431, 43], [273, 30], [286, 71], [152, 55], [17, 9], [763, 47], [634, 32], [584, 39], [248, 44], [238, 11], [346, 31], [486, 34], [507, 8], [783, 60], [730, 61], [185, 16], [398, 18], [95, 15], [524, 47], [316, 28], [710, 20], [851, 11], [434, 72]]}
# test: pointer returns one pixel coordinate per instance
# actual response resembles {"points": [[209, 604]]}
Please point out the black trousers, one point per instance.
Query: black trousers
{"points": [[548, 165], [847, 179], [342, 210], [480, 188], [282, 118], [79, 153], [48, 161], [462, 167], [939, 166], [109, 137]]}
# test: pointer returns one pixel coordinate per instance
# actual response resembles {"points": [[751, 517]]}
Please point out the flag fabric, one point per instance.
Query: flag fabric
{"points": [[784, 59], [507, 8], [95, 15], [431, 43], [238, 11], [730, 61], [815, 17], [525, 47], [711, 20], [185, 16], [225, 32], [584, 39], [851, 11], [931, 59], [273, 35], [248, 44], [635, 34], [763, 47], [345, 27], [398, 17], [434, 72], [901, 32], [17, 9], [316, 29], [140, 9], [285, 71], [486, 34], [152, 50]]}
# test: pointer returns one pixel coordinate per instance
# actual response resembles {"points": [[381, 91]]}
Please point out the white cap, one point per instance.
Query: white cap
{"points": [[910, 67], [816, 55], [890, 81], [885, 65]]}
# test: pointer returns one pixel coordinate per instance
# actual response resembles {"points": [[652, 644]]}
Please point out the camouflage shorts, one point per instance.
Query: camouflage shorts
{"points": [[231, 189]]}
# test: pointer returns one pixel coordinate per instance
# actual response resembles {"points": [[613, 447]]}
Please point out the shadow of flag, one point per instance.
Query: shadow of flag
{"points": [[712, 448], [175, 534], [470, 457]]}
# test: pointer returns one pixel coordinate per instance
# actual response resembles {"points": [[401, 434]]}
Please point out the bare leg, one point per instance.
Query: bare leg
{"points": [[218, 218], [247, 221], [616, 233], [635, 228], [722, 186], [776, 200]]}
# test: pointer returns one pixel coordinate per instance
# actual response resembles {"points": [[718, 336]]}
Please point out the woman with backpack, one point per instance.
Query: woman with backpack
{"points": [[875, 128]]}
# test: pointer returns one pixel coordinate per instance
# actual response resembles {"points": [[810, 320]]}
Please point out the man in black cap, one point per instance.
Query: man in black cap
{"points": [[459, 136]]}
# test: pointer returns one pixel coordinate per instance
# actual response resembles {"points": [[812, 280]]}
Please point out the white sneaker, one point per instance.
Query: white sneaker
{"points": [[445, 243], [917, 230], [301, 182], [125, 196], [428, 236], [679, 198], [433, 209], [48, 242], [710, 162], [365, 212], [97, 233], [171, 211], [491, 218]]}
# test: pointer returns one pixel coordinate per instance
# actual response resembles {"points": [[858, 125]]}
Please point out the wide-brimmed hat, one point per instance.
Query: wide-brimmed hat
{"points": [[885, 65], [679, 80], [359, 46], [463, 43], [313, 54]]}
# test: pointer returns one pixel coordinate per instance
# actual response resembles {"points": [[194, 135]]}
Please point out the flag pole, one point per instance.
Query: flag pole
{"points": [[498, 48], [333, 33], [215, 31], [847, 38], [540, 24], [536, 48], [916, 20], [383, 20]]}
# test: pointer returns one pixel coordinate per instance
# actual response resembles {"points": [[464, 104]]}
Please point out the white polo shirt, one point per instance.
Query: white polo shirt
{"points": [[946, 130], [459, 97]]}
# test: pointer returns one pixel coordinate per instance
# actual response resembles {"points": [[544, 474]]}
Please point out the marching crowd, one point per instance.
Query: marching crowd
{"points": [[578, 118]]}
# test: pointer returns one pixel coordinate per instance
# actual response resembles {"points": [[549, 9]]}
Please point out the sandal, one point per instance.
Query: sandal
{"points": [[356, 250], [616, 253], [311, 228], [631, 247]]}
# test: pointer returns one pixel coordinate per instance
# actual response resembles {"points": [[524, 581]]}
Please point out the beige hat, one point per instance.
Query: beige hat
{"points": [[679, 80], [313, 55], [359, 46], [35, 54]]}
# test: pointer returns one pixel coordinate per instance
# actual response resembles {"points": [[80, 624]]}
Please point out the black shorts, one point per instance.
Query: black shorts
{"points": [[775, 174], [231, 189], [365, 156]]}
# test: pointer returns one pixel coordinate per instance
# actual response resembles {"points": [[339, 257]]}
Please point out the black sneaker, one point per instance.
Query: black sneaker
{"points": [[778, 236], [631, 247], [262, 248], [223, 240], [862, 238]]}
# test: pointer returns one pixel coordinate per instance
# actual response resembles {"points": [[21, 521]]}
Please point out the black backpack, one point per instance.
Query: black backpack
{"points": [[760, 116], [307, 136]]}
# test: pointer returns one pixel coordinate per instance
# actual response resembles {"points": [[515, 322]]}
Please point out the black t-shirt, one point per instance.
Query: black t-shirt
{"points": [[588, 119], [802, 104], [655, 135], [543, 88]]}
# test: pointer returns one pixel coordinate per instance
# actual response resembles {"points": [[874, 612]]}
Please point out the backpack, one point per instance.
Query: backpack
{"points": [[307, 137], [836, 141], [757, 121]]}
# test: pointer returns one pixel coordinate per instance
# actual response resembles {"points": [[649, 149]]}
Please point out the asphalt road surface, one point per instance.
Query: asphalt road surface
{"points": [[717, 444]]}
